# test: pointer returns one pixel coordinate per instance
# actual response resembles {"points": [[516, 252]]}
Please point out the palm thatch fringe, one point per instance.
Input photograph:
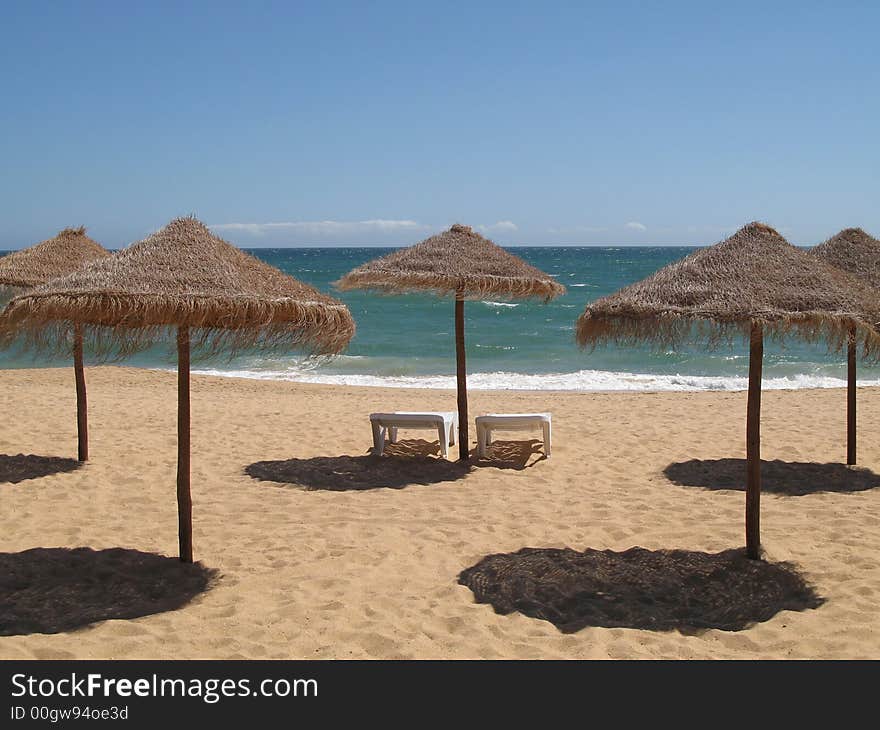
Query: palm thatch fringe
{"points": [[117, 326], [670, 330], [474, 287]]}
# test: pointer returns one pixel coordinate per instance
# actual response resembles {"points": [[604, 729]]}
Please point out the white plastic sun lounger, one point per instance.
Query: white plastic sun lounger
{"points": [[444, 423], [510, 422]]}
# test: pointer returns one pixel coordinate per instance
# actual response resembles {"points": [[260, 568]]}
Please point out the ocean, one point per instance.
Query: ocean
{"points": [[407, 341]]}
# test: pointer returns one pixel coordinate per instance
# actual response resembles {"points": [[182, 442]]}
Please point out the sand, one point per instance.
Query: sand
{"points": [[363, 572]]}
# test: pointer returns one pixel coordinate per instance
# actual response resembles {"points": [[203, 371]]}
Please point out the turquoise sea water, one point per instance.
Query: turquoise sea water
{"points": [[408, 340]]}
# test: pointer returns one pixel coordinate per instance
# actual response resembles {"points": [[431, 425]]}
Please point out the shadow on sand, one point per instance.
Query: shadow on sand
{"points": [[50, 590], [405, 463], [516, 455], [659, 590], [17, 468], [793, 479]]}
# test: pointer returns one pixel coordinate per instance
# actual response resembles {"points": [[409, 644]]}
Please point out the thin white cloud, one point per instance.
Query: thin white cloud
{"points": [[500, 226], [323, 228], [636, 226]]}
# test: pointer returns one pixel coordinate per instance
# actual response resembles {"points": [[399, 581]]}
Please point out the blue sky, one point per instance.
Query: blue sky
{"points": [[377, 123]]}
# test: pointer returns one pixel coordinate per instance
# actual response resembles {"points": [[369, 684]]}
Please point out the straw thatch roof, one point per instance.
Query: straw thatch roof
{"points": [[755, 275], [69, 250], [854, 251], [457, 260], [183, 275]]}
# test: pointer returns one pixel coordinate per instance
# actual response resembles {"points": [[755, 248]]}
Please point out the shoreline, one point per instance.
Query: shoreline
{"points": [[768, 383]]}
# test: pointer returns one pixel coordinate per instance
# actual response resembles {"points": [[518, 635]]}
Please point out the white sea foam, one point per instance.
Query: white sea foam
{"points": [[500, 304], [583, 380]]}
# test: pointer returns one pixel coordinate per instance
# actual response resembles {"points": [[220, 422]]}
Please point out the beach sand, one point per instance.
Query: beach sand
{"points": [[359, 572]]}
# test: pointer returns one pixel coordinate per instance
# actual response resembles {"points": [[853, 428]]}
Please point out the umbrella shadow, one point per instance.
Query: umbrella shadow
{"points": [[19, 467], [50, 590], [511, 455], [406, 463], [790, 478], [659, 590]]}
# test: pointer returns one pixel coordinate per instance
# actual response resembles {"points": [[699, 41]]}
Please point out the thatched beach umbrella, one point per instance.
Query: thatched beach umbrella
{"points": [[68, 251], [462, 263], [856, 252], [216, 296], [753, 283]]}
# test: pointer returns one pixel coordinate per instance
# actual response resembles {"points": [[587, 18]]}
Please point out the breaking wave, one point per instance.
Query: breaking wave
{"points": [[582, 380]]}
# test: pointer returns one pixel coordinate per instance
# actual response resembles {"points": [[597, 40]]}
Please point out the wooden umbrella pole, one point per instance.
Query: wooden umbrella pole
{"points": [[851, 399], [461, 377], [184, 496], [82, 408], [753, 444]]}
